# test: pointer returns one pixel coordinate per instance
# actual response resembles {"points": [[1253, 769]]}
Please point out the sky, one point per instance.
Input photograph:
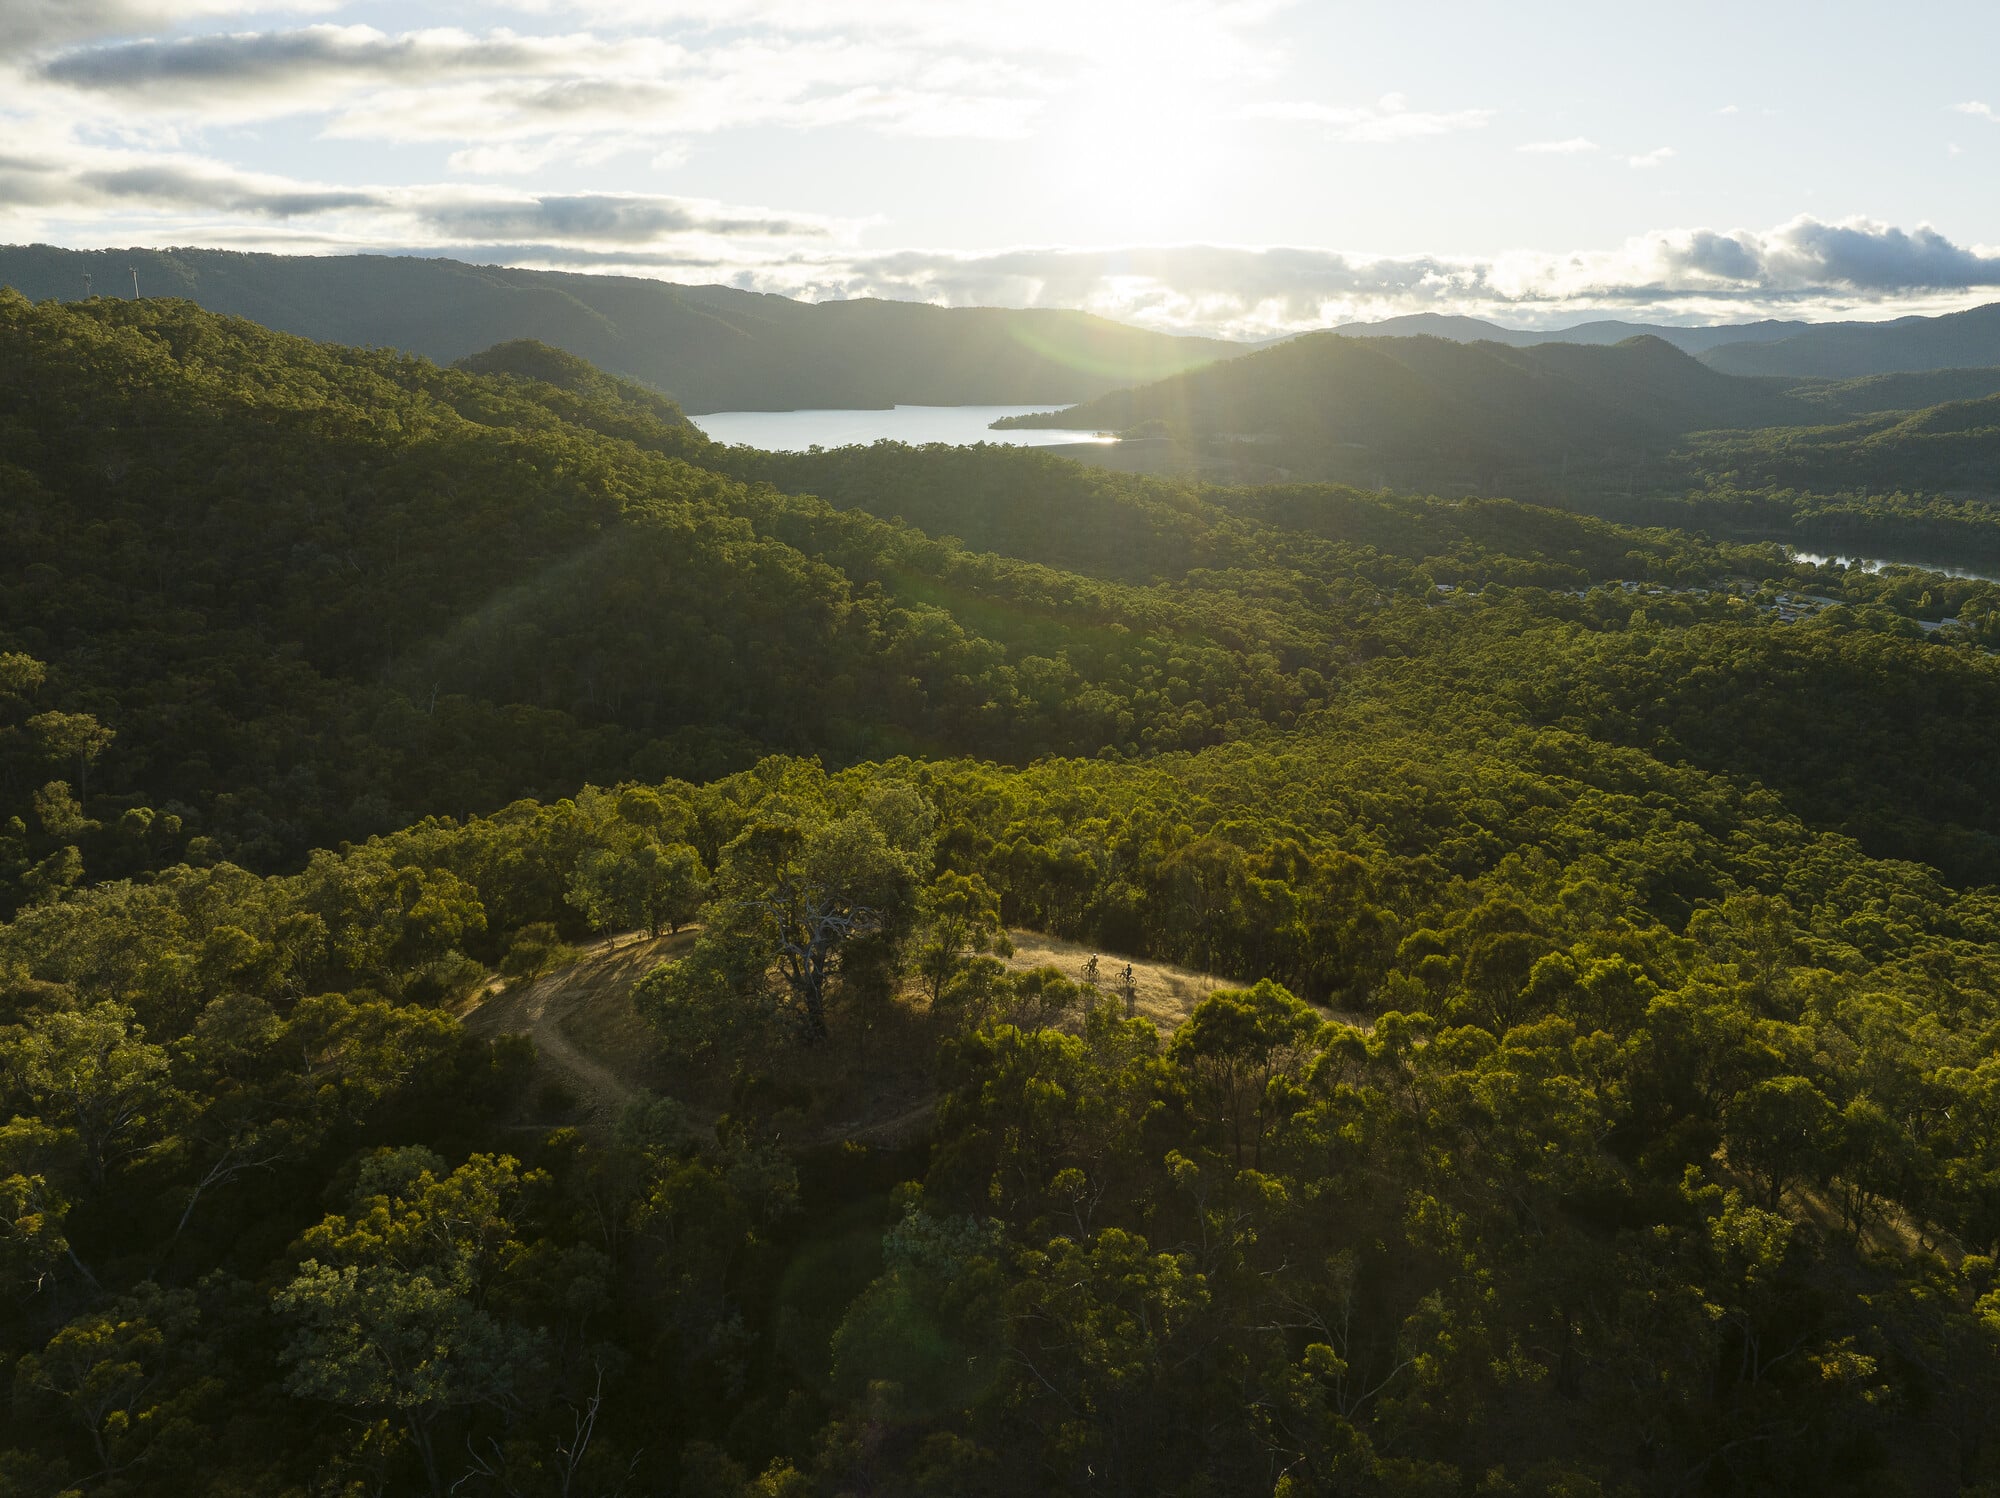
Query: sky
{"points": [[1236, 167]]}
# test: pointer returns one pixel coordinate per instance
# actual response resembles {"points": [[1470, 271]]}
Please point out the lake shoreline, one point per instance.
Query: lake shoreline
{"points": [[918, 426]]}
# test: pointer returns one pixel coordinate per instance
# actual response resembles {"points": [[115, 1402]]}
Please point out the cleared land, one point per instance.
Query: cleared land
{"points": [[1167, 994]]}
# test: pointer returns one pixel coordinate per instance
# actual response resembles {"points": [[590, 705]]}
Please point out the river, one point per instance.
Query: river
{"points": [[960, 426], [1876, 564]]}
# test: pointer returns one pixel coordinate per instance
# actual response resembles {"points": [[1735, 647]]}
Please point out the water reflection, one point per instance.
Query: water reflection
{"points": [[960, 426], [1876, 564]]}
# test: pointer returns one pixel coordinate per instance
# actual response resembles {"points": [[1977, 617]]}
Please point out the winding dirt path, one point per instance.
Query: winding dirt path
{"points": [[539, 1007], [588, 1038]]}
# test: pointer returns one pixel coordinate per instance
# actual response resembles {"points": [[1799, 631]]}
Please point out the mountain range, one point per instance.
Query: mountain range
{"points": [[711, 348], [1695, 341], [718, 348], [1551, 420], [1839, 351]]}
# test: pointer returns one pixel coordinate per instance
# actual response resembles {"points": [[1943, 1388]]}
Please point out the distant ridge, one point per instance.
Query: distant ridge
{"points": [[1604, 332], [1433, 393], [1843, 351], [711, 348], [1840, 351]]}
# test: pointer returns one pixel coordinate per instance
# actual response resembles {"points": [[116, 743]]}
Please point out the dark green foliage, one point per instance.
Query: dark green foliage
{"points": [[1424, 412], [1594, 1091], [1950, 448], [316, 592], [1596, 428], [320, 591], [1911, 391]]}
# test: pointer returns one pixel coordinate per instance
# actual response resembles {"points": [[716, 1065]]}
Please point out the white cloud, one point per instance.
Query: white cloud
{"points": [[1857, 254], [1978, 110], [275, 66], [634, 80], [1680, 275], [1212, 35], [108, 133], [1390, 120], [453, 86], [153, 193], [594, 219], [1804, 267], [27, 24]]}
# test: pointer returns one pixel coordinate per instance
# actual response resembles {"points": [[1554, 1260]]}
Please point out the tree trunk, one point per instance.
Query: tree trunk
{"points": [[420, 1434], [815, 1014]]}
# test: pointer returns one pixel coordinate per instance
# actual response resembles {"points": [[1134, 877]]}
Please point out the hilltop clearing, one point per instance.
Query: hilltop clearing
{"points": [[601, 1056]]}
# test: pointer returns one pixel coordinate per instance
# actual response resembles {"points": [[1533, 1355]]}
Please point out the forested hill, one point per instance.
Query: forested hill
{"points": [[595, 392], [1591, 1091], [316, 592], [1589, 427], [711, 348], [1410, 411], [1957, 340], [1952, 449]]}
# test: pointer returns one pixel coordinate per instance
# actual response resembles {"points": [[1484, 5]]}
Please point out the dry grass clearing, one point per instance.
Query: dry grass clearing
{"points": [[1167, 995]]}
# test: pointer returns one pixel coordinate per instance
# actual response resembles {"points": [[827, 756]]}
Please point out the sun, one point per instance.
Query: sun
{"points": [[1136, 144]]}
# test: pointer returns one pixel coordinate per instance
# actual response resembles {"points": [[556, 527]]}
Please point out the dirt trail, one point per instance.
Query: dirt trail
{"points": [[588, 1037], [539, 1008]]}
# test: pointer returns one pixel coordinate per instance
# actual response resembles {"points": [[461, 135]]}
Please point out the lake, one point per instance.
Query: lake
{"points": [[960, 426], [1876, 564]]}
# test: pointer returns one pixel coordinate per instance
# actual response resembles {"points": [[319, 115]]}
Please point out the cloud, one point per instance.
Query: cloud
{"points": [[101, 180], [1978, 111], [604, 218], [166, 185], [1574, 146], [1805, 267], [278, 62], [1212, 36], [1657, 157], [1677, 275], [454, 86], [1864, 256], [28, 24], [156, 191], [1388, 121]]}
